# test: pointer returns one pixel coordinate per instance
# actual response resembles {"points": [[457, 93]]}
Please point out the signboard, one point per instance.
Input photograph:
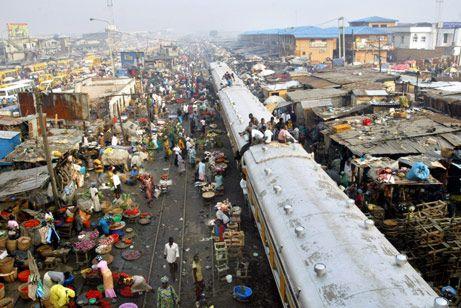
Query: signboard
{"points": [[318, 44], [130, 59], [17, 30]]}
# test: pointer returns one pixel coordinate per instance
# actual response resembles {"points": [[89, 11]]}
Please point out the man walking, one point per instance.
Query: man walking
{"points": [[198, 279], [171, 254]]}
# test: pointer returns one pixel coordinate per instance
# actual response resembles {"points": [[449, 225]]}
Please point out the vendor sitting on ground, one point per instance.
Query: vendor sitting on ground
{"points": [[52, 278], [138, 284], [104, 225], [13, 228], [133, 178], [60, 296]]}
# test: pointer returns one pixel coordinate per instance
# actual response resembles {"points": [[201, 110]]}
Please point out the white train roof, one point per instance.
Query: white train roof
{"points": [[361, 269], [237, 103], [218, 69]]}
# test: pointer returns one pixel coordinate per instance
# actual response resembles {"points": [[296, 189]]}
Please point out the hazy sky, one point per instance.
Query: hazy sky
{"points": [[71, 16]]}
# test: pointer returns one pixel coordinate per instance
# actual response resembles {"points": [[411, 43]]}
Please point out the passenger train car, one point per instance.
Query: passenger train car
{"points": [[322, 250]]}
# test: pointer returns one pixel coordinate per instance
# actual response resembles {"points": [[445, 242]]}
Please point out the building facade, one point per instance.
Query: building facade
{"points": [[414, 36], [374, 22]]}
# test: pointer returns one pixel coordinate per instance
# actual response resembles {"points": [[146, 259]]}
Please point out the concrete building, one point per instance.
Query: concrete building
{"points": [[320, 45], [414, 36], [15, 51], [374, 22], [449, 36]]}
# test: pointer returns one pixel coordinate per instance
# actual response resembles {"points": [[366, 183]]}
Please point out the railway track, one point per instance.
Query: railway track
{"points": [[171, 222]]}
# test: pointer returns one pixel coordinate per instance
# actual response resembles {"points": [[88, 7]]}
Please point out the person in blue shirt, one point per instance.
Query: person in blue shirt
{"points": [[133, 176], [104, 224]]}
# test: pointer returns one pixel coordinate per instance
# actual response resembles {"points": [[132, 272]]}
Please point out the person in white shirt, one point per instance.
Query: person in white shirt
{"points": [[256, 136], [114, 141], [117, 185], [171, 255], [95, 198], [244, 187], [267, 135]]}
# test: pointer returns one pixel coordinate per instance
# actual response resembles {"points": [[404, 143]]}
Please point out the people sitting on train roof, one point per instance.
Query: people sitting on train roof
{"points": [[284, 136]]}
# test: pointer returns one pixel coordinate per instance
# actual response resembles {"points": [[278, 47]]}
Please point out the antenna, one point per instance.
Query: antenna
{"points": [[110, 5]]}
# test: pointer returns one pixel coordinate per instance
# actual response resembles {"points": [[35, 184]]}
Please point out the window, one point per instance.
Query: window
{"points": [[445, 38], [423, 38], [415, 38]]}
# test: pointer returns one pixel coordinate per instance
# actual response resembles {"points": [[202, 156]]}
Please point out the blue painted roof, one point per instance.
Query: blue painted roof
{"points": [[374, 19], [316, 32]]}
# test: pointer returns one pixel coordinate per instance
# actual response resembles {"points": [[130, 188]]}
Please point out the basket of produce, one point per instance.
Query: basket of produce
{"points": [[117, 225], [91, 235], [84, 245], [131, 213], [24, 276], [30, 224], [208, 195], [23, 290], [6, 265], [131, 255], [116, 211], [24, 243], [103, 249], [11, 276]]}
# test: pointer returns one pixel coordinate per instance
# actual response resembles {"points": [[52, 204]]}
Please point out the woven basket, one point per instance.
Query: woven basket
{"points": [[24, 243], [6, 265]]}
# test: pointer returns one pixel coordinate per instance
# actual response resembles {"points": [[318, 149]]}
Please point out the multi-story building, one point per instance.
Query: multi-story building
{"points": [[320, 45], [374, 22], [413, 36]]}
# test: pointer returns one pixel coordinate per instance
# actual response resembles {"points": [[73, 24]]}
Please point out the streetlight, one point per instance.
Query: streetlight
{"points": [[110, 27]]}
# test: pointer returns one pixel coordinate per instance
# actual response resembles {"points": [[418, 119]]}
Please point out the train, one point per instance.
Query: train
{"points": [[322, 250]]}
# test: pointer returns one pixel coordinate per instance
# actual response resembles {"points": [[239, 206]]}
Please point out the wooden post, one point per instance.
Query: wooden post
{"points": [[121, 123], [42, 122]]}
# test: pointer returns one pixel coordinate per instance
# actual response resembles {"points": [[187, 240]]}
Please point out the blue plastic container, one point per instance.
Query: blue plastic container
{"points": [[242, 293]]}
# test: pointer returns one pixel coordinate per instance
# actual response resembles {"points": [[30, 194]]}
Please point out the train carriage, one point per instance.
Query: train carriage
{"points": [[322, 249]]}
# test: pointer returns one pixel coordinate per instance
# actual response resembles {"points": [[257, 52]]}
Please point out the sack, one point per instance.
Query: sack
{"points": [[418, 172]]}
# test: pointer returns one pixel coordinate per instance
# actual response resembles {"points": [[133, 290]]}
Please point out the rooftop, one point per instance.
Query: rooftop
{"points": [[320, 33], [423, 132], [22, 181], [315, 94], [62, 140], [5, 134], [374, 19]]}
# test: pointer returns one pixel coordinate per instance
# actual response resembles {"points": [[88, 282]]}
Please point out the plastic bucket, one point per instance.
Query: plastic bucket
{"points": [[229, 278]]}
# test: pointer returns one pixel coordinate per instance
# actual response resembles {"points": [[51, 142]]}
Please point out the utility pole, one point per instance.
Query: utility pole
{"points": [[49, 164], [339, 37], [379, 53]]}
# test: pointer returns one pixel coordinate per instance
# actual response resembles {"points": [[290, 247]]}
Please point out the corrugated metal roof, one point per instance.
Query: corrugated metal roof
{"points": [[316, 32], [309, 104], [5, 134], [20, 181], [302, 95], [374, 19]]}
